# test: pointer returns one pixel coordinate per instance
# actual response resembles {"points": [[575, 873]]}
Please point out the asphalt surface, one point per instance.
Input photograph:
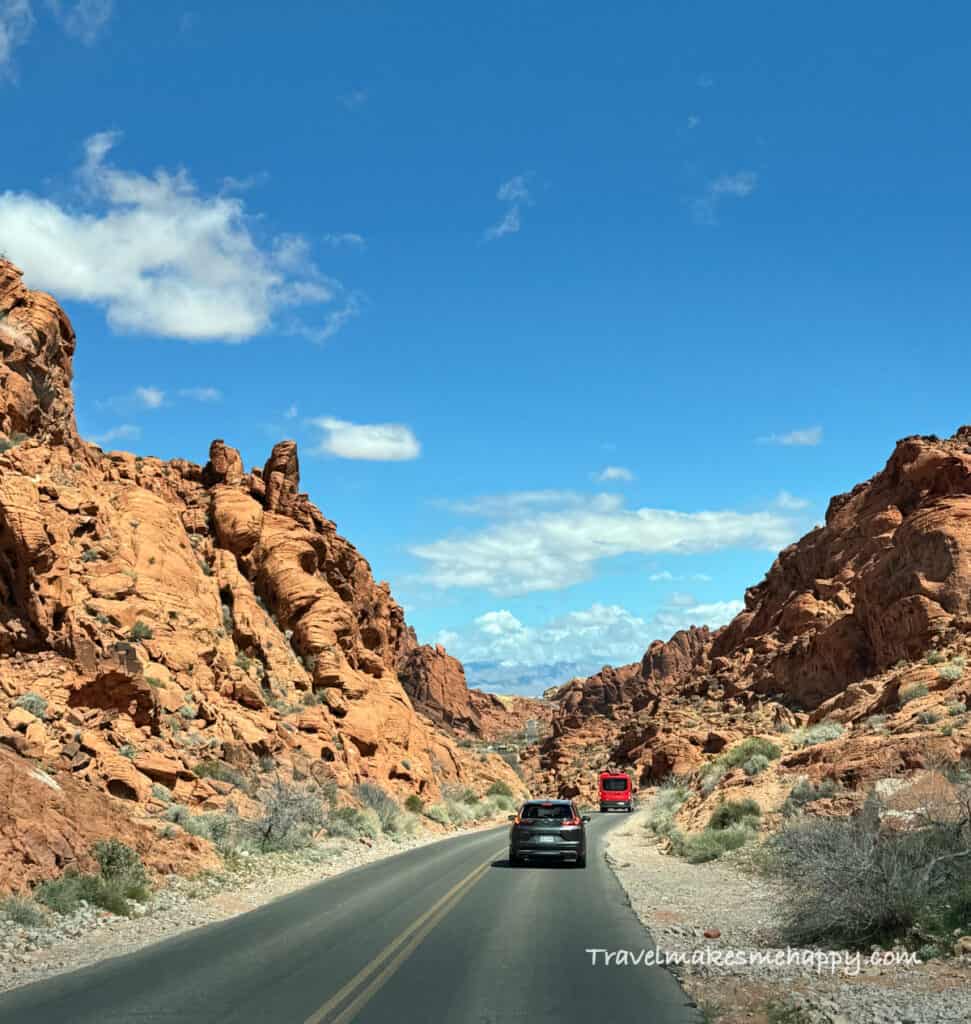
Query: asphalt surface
{"points": [[443, 933]]}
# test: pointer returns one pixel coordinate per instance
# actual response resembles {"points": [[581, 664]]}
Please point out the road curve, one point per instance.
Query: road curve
{"points": [[443, 933]]}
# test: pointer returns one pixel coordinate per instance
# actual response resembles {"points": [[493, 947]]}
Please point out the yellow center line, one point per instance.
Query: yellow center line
{"points": [[395, 953]]}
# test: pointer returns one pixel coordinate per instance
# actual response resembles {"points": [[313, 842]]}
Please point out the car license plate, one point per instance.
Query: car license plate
{"points": [[547, 839]]}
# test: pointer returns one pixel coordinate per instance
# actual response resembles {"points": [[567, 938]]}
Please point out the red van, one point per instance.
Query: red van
{"points": [[616, 792]]}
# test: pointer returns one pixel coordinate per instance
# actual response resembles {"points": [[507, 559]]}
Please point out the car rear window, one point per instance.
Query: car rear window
{"points": [[558, 812], [614, 785]]}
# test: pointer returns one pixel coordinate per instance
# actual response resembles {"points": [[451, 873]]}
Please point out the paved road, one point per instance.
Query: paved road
{"points": [[444, 933]]}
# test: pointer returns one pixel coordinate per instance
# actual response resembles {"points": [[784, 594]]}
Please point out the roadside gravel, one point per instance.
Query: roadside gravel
{"points": [[68, 942], [678, 902]]}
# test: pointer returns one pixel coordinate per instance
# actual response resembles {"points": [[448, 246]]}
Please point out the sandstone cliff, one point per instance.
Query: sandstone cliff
{"points": [[155, 615], [864, 623]]}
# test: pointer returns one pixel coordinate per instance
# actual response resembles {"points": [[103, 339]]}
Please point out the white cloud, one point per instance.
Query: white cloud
{"points": [[83, 19], [349, 238], [614, 473], [664, 576], [518, 503], [679, 600], [151, 398], [789, 501], [160, 257], [16, 24], [124, 432], [376, 442], [555, 547], [201, 394], [733, 186], [516, 193], [601, 634], [807, 437]]}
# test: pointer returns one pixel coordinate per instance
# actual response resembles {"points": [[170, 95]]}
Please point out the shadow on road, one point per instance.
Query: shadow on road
{"points": [[534, 865]]}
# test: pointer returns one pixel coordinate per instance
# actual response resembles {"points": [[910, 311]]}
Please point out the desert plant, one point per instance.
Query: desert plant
{"points": [[161, 792], [755, 764], [122, 878], [734, 812], [22, 911], [91, 555], [439, 813], [710, 844], [291, 814], [664, 808], [383, 805], [805, 792], [875, 723], [127, 750], [414, 804], [32, 702], [950, 673], [912, 692], [956, 709], [350, 822], [140, 631], [243, 661], [499, 788], [748, 748], [211, 769], [934, 658], [822, 732], [888, 880], [928, 717]]}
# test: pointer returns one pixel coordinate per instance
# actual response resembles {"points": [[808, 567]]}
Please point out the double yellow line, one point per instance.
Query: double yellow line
{"points": [[373, 976]]}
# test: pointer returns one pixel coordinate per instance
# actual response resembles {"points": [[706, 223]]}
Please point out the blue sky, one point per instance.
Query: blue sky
{"points": [[473, 258]]}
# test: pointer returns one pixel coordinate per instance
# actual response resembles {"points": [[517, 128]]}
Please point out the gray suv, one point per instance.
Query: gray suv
{"points": [[548, 830]]}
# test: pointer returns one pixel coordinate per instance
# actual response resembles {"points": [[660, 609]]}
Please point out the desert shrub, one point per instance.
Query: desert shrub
{"points": [[710, 844], [140, 631], [785, 1011], [177, 813], [751, 747], [161, 792], [503, 803], [822, 732], [912, 692], [122, 878], [955, 709], [211, 769], [664, 809], [439, 813], [32, 702], [734, 812], [127, 750], [22, 911], [754, 765], [243, 661], [499, 788], [351, 823], [887, 880], [414, 804], [711, 775], [928, 717], [875, 723], [460, 812], [805, 792], [950, 673], [188, 712], [383, 805], [91, 555], [934, 658], [291, 814]]}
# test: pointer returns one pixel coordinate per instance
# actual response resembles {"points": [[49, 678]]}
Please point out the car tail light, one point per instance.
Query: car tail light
{"points": [[572, 821]]}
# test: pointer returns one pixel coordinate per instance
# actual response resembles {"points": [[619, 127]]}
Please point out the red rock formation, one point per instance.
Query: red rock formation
{"points": [[156, 614], [435, 681]]}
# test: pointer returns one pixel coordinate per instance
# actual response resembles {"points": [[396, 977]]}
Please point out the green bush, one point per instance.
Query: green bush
{"points": [[664, 808], [122, 878], [734, 812], [32, 702], [439, 813], [934, 658], [711, 844], [804, 792], [850, 882], [823, 732], [140, 631], [956, 709], [912, 692], [383, 805], [91, 555], [950, 673], [414, 804], [22, 911], [928, 717], [499, 788], [754, 765], [351, 823], [711, 775], [875, 723], [751, 747]]}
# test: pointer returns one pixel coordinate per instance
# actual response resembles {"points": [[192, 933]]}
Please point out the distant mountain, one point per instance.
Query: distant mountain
{"points": [[526, 680]]}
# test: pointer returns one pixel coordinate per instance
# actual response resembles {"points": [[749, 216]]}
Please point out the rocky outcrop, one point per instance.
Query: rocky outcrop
{"points": [[837, 632], [155, 615], [36, 351], [435, 681]]}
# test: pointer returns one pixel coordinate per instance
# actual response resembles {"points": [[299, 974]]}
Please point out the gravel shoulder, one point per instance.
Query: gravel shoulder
{"points": [[67, 943], [679, 902]]}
